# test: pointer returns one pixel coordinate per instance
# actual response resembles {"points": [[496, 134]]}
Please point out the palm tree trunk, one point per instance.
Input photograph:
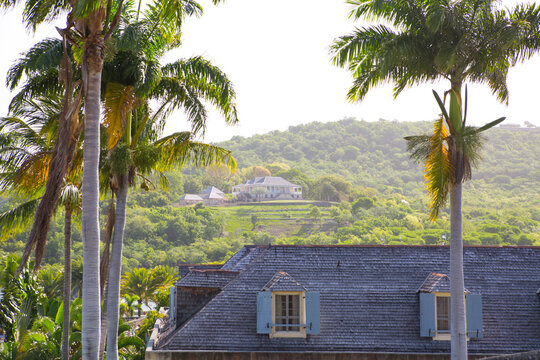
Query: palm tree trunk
{"points": [[103, 335], [92, 67], [104, 271], [115, 270], [61, 160], [457, 286], [67, 284]]}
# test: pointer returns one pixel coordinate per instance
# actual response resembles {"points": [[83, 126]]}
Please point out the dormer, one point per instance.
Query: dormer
{"points": [[434, 297], [285, 308]]}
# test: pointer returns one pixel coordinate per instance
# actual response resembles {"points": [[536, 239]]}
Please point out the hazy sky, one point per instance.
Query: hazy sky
{"points": [[277, 55]]}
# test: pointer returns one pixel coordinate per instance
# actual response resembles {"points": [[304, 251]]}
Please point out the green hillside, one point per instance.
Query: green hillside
{"points": [[377, 197], [374, 154]]}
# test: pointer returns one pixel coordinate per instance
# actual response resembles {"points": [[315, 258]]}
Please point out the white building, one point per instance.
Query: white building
{"points": [[267, 188]]}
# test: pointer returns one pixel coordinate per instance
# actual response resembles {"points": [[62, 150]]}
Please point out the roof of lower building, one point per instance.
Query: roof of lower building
{"points": [[369, 299], [191, 197], [211, 278]]}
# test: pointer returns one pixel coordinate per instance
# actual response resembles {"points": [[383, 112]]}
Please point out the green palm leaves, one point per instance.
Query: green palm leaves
{"points": [[449, 153], [426, 40]]}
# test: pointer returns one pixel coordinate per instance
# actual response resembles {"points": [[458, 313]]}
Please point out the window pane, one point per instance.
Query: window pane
{"points": [[443, 313], [287, 311]]}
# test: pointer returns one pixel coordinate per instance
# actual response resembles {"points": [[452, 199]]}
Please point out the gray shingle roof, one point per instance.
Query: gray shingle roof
{"points": [[213, 278], [211, 189], [191, 197], [212, 193], [184, 269], [436, 282], [283, 282], [369, 300], [269, 181]]}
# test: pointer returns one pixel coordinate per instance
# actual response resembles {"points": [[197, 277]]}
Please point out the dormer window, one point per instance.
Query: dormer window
{"points": [[286, 309], [434, 296], [443, 313]]}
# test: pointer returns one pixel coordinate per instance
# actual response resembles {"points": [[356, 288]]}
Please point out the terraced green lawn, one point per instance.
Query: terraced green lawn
{"points": [[277, 218]]}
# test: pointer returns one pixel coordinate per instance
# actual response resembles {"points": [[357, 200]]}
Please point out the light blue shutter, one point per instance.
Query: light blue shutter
{"points": [[427, 315], [474, 316], [264, 312], [313, 312], [172, 306]]}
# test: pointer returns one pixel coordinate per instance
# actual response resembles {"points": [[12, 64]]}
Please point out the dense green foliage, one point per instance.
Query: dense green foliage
{"points": [[380, 193], [31, 311]]}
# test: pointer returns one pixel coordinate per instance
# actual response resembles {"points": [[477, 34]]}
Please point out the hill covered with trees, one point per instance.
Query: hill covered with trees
{"points": [[372, 193]]}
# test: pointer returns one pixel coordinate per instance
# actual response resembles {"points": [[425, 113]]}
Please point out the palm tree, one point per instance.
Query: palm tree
{"points": [[139, 282], [133, 77], [70, 198], [26, 159], [129, 300], [458, 41]]}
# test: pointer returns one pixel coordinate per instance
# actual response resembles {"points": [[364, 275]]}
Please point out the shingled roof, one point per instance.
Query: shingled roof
{"points": [[269, 181], [283, 282], [436, 282], [212, 278], [369, 301]]}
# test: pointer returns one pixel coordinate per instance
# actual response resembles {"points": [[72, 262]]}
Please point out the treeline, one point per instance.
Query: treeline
{"points": [[361, 167]]}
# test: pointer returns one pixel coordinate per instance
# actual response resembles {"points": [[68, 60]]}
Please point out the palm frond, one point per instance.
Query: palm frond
{"points": [[45, 55], [17, 219], [438, 169], [38, 85], [177, 150], [39, 11], [173, 94], [401, 13], [119, 102], [201, 78], [70, 196]]}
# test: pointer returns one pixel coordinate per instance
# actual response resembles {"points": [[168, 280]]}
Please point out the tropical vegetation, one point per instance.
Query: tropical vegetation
{"points": [[457, 41]]}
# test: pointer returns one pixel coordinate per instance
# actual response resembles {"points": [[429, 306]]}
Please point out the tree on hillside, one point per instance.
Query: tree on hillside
{"points": [[331, 188], [460, 41]]}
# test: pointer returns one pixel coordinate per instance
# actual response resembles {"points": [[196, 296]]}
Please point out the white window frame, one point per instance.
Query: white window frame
{"points": [[446, 335], [301, 333]]}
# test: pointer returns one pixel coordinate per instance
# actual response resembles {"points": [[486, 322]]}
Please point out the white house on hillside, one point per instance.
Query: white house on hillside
{"points": [[267, 188]]}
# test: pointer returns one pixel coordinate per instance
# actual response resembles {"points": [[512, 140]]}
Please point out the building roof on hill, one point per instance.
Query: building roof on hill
{"points": [[369, 300], [191, 197], [211, 189], [212, 193], [269, 181]]}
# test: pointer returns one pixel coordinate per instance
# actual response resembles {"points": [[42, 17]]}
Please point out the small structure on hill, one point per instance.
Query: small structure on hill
{"points": [[212, 196], [267, 188], [209, 196], [190, 199]]}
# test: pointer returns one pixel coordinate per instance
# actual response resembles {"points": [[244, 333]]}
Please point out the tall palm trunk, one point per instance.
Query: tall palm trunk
{"points": [[457, 285], [115, 270], [92, 67], [61, 160], [103, 273], [458, 325], [67, 283]]}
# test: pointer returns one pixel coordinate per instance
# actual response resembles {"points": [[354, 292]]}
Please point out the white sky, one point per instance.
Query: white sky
{"points": [[277, 55]]}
